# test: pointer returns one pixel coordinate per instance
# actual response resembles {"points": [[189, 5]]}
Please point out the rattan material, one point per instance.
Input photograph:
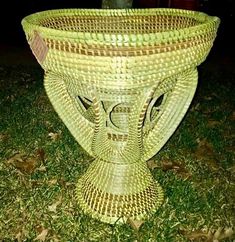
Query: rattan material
{"points": [[121, 81]]}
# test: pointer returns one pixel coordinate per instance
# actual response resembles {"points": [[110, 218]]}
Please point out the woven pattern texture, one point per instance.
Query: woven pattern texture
{"points": [[121, 81]]}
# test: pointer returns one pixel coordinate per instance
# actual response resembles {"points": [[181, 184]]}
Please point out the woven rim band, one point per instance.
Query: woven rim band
{"points": [[54, 23]]}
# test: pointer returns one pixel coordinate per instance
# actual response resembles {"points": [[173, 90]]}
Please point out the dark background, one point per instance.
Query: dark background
{"points": [[13, 11]]}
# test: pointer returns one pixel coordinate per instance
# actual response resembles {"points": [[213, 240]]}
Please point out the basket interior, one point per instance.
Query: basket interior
{"points": [[119, 24]]}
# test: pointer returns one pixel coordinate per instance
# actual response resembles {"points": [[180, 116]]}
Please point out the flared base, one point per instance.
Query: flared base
{"points": [[112, 199]]}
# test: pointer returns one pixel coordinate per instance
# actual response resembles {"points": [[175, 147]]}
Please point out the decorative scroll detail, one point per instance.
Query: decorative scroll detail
{"points": [[174, 108], [85, 107]]}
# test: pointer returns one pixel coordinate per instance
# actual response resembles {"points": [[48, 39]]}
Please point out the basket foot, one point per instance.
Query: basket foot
{"points": [[113, 196]]}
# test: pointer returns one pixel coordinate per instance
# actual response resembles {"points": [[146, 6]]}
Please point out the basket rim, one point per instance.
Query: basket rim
{"points": [[30, 21]]}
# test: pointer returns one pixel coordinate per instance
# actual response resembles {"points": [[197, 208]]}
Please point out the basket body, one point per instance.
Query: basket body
{"points": [[121, 81]]}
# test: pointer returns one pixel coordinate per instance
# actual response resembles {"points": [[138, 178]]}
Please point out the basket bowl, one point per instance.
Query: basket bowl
{"points": [[114, 48]]}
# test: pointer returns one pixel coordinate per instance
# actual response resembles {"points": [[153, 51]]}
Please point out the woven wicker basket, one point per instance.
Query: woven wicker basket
{"points": [[121, 81]]}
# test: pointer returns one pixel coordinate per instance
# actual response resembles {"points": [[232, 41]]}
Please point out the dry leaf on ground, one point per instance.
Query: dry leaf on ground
{"points": [[53, 207], [4, 137], [42, 235], [135, 224], [209, 236], [213, 123], [171, 165], [177, 167], [42, 168], [152, 164], [54, 136], [18, 237], [205, 152], [24, 164], [40, 153], [52, 182], [165, 165]]}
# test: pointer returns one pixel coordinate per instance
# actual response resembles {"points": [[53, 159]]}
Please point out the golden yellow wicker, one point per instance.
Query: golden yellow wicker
{"points": [[121, 81]]}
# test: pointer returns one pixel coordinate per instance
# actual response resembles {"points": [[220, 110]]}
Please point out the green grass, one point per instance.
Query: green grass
{"points": [[42, 197]]}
